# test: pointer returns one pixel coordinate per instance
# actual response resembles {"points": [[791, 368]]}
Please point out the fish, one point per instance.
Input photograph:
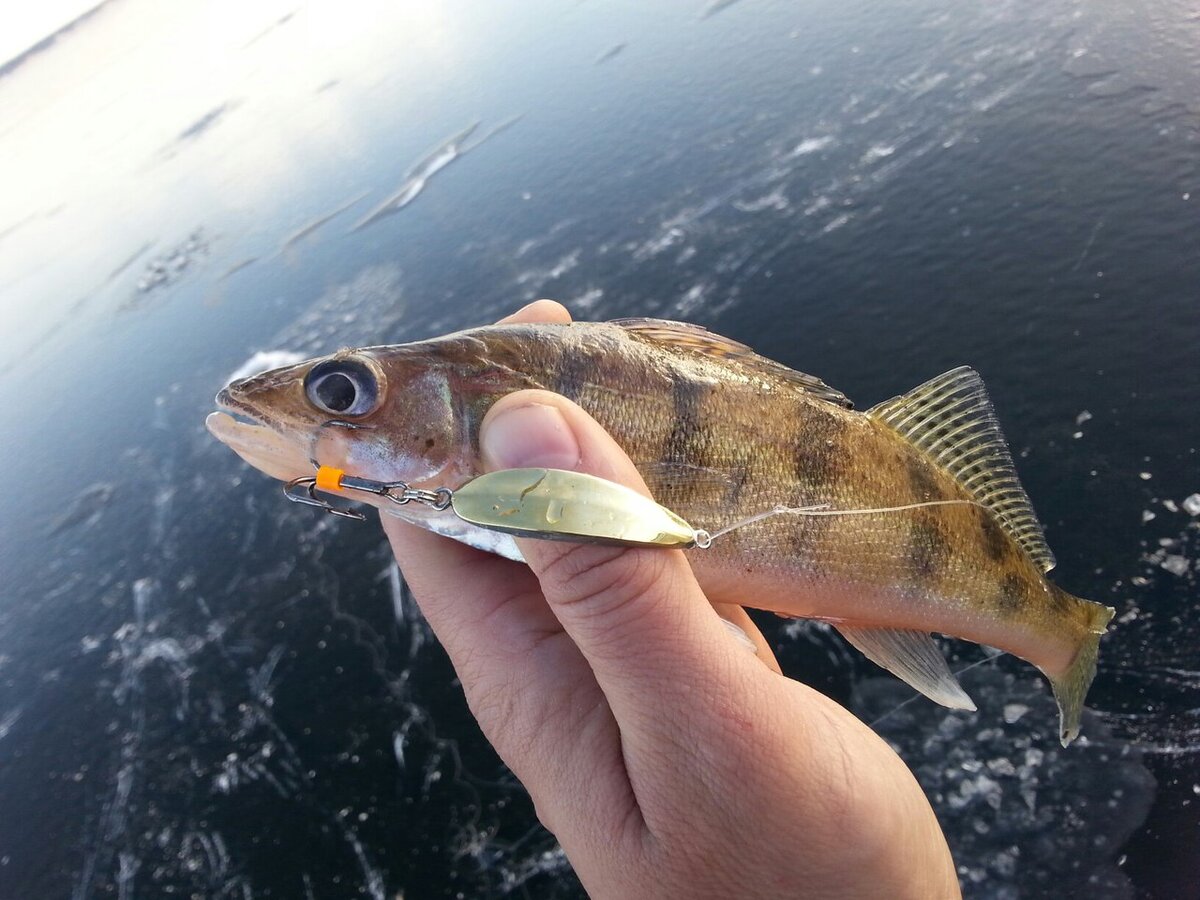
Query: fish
{"points": [[929, 529]]}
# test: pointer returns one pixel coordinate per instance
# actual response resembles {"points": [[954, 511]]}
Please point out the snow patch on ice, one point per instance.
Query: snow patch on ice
{"points": [[264, 361], [877, 152], [812, 145]]}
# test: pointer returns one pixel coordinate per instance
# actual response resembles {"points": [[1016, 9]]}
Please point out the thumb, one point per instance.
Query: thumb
{"points": [[637, 615]]}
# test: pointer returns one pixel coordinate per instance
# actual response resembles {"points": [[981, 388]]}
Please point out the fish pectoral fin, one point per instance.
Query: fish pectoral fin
{"points": [[913, 657]]}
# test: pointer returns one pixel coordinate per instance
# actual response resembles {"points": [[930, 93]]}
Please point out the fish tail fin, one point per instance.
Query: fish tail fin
{"points": [[1071, 685]]}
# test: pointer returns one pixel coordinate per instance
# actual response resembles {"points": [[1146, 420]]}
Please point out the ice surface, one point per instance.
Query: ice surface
{"points": [[164, 270], [610, 53], [8, 720], [417, 177], [269, 711], [311, 227], [85, 509], [234, 268], [264, 360], [776, 200], [584, 303], [359, 312], [716, 6], [206, 122], [877, 152], [812, 145], [1175, 554], [1176, 564], [1023, 815], [534, 280], [1014, 711]]}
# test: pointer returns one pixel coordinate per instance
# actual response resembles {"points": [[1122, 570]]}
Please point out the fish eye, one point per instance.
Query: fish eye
{"points": [[344, 387]]}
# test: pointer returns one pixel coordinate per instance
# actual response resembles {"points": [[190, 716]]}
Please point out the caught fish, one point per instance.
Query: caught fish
{"points": [[909, 518]]}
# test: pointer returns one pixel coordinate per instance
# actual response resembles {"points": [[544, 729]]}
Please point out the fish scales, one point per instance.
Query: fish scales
{"points": [[763, 444], [721, 435]]}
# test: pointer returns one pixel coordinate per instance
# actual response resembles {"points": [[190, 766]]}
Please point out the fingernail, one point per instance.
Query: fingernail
{"points": [[533, 436]]}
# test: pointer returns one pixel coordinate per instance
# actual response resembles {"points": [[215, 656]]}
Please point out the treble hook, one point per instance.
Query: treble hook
{"points": [[311, 482], [331, 423], [335, 480], [310, 498]]}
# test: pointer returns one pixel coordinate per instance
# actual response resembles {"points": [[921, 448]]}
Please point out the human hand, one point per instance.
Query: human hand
{"points": [[667, 758]]}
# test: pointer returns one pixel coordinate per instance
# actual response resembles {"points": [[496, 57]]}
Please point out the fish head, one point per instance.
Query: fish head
{"points": [[377, 413]]}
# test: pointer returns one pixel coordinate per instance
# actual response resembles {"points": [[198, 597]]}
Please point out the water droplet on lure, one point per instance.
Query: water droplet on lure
{"points": [[554, 512]]}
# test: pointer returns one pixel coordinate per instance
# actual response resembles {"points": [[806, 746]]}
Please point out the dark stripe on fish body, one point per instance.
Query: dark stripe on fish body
{"points": [[576, 370], [686, 442], [995, 542], [922, 481], [927, 548], [1011, 596], [818, 462], [818, 459], [1059, 600]]}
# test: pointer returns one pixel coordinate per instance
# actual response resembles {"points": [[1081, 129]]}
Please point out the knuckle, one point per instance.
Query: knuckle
{"points": [[493, 703], [520, 723], [599, 581]]}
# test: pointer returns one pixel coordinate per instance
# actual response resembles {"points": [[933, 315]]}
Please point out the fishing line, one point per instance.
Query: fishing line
{"points": [[915, 697], [704, 539]]}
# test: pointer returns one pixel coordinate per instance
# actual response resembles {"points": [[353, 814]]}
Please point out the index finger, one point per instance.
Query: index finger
{"points": [[550, 312]]}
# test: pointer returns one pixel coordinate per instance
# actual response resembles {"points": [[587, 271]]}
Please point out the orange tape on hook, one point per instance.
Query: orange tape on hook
{"points": [[329, 479]]}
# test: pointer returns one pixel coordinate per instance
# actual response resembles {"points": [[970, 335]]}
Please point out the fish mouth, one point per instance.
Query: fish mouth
{"points": [[239, 410], [262, 442]]}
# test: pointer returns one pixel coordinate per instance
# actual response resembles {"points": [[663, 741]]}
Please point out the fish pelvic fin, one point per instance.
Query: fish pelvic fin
{"points": [[1071, 686], [951, 420], [913, 657]]}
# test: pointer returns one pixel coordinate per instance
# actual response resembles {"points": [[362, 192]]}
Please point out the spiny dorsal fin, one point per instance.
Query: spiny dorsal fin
{"points": [[699, 340], [951, 419], [914, 658]]}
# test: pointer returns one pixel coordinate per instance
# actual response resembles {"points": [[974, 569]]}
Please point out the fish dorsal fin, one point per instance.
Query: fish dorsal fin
{"points": [[914, 658], [701, 341], [951, 420]]}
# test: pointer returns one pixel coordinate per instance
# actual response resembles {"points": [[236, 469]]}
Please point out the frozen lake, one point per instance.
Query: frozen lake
{"points": [[207, 691]]}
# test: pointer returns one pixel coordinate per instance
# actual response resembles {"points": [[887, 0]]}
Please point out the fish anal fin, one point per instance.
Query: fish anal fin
{"points": [[951, 420], [699, 340], [913, 657]]}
